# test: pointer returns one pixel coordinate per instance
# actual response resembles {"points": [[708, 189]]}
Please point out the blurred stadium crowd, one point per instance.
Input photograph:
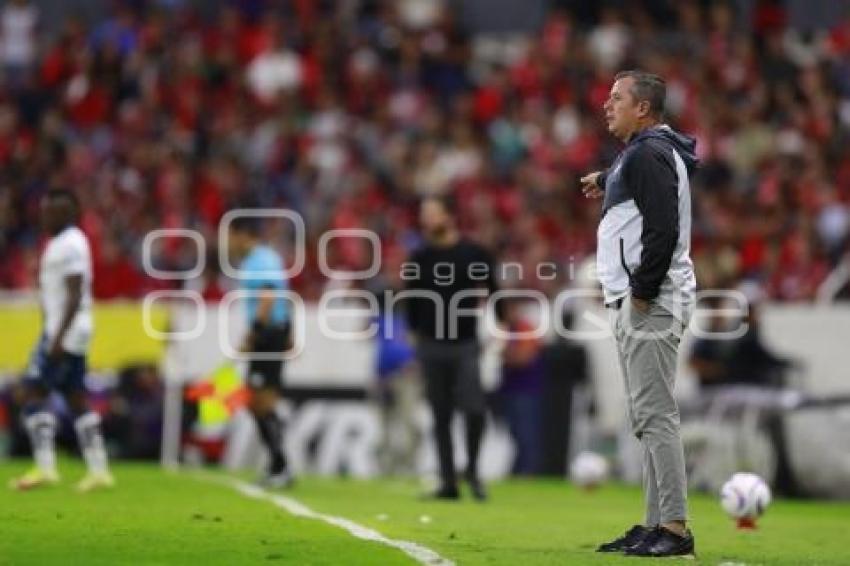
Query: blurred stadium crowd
{"points": [[348, 112]]}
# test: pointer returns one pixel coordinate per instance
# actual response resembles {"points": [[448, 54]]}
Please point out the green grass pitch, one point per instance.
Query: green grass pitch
{"points": [[157, 517]]}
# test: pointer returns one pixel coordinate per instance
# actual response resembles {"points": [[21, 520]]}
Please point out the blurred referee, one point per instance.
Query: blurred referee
{"points": [[448, 265], [269, 327], [644, 265]]}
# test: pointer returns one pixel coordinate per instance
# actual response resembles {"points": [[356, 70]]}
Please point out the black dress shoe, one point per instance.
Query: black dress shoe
{"points": [[444, 493], [664, 543], [632, 537]]}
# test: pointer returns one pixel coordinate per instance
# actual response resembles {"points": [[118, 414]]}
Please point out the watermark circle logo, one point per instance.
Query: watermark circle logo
{"points": [[176, 295], [362, 274], [297, 316], [148, 248], [299, 246]]}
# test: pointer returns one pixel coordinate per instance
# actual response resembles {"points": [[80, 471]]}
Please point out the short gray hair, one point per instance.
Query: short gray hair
{"points": [[647, 86]]}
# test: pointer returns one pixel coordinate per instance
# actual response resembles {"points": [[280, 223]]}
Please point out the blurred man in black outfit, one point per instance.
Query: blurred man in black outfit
{"points": [[458, 275]]}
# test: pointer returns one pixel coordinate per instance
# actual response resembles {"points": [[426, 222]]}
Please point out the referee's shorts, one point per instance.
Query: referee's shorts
{"points": [[268, 373]]}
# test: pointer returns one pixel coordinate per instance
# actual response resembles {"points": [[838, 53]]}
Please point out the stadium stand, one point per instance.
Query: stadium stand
{"points": [[161, 115]]}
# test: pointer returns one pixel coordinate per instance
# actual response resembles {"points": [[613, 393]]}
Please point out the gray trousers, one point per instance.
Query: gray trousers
{"points": [[648, 345]]}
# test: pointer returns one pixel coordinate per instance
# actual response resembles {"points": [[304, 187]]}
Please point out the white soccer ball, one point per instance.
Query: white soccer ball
{"points": [[745, 496], [589, 469]]}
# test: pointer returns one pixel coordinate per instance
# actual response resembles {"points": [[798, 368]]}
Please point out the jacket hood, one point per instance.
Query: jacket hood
{"points": [[684, 145]]}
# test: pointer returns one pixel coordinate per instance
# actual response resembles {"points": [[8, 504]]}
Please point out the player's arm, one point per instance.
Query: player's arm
{"points": [[74, 294], [654, 185]]}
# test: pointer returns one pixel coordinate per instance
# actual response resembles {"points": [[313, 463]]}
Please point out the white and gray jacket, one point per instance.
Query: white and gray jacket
{"points": [[644, 237]]}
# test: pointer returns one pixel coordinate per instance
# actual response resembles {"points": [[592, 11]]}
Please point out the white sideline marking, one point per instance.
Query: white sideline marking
{"points": [[421, 554]]}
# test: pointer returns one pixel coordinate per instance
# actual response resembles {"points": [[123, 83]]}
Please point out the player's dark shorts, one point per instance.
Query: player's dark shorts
{"points": [[265, 374], [66, 373]]}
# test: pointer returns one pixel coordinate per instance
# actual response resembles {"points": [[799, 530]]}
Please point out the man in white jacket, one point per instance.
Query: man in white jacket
{"points": [[644, 265]]}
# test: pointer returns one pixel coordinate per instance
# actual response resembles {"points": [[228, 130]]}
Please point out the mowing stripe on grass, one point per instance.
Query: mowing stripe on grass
{"points": [[421, 554]]}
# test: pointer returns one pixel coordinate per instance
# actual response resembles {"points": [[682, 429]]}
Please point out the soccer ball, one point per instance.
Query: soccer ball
{"points": [[745, 496], [589, 470]]}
